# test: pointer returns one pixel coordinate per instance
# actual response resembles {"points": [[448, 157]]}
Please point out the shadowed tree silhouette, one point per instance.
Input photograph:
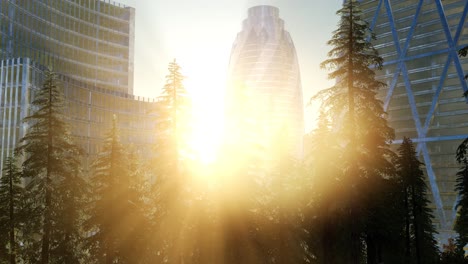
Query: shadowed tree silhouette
{"points": [[51, 164], [360, 121], [11, 196], [420, 244], [118, 223]]}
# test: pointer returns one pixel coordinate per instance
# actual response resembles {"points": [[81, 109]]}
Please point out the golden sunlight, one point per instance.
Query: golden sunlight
{"points": [[207, 118]]}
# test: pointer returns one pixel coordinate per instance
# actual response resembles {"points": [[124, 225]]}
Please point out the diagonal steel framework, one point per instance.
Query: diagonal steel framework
{"points": [[402, 71]]}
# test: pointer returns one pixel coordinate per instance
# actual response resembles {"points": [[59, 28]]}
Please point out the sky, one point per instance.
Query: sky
{"points": [[199, 34]]}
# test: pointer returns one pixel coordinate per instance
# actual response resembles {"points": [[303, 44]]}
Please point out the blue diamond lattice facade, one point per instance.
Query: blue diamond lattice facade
{"points": [[419, 40]]}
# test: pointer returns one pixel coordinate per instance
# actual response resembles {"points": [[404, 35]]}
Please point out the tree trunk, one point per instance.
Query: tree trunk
{"points": [[327, 238], [371, 249], [407, 229], [47, 220], [12, 219], [416, 217], [353, 236], [113, 182]]}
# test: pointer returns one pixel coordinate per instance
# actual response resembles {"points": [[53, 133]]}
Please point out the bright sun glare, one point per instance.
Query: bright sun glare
{"points": [[207, 115]]}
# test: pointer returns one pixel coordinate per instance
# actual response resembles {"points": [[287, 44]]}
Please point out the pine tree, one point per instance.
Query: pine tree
{"points": [[420, 246], [51, 164], [69, 203], [171, 183], [323, 214], [174, 110], [359, 118], [109, 186], [462, 53], [461, 224], [117, 221], [11, 195], [451, 254]]}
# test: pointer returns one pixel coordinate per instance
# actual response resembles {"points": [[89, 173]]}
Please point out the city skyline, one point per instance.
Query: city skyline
{"points": [[105, 157], [204, 32], [94, 65]]}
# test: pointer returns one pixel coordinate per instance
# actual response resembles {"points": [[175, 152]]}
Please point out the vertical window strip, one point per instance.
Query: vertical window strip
{"points": [[2, 88], [16, 107], [5, 147], [10, 105]]}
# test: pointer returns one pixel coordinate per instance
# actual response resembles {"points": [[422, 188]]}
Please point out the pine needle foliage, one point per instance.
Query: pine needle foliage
{"points": [[52, 167], [324, 217], [421, 246], [109, 185], [353, 99], [11, 216], [358, 121], [461, 224], [117, 223], [173, 121], [171, 185]]}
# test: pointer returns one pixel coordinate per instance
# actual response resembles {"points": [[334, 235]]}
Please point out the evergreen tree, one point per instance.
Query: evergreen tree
{"points": [[462, 53], [116, 221], [323, 219], [171, 185], [110, 183], [71, 198], [461, 224], [451, 254], [385, 223], [173, 110], [273, 216], [51, 163], [11, 195], [359, 119], [420, 244]]}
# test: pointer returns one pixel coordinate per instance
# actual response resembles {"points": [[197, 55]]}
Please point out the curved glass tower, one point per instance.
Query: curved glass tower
{"points": [[88, 40], [419, 41], [264, 97], [89, 43]]}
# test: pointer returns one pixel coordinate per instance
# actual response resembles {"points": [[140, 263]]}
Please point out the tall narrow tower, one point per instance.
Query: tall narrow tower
{"points": [[424, 99], [264, 97]]}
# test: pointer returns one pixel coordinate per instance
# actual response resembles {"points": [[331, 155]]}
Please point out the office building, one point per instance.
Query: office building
{"points": [[264, 96], [419, 41], [88, 40], [89, 43]]}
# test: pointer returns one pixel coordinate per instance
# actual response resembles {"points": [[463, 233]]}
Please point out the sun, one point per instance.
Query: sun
{"points": [[207, 120], [206, 135]]}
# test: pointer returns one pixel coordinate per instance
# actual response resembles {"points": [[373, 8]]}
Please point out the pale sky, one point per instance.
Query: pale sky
{"points": [[199, 35]]}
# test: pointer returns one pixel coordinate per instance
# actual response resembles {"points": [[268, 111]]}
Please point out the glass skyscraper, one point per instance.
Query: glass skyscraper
{"points": [[419, 40], [264, 96], [89, 40], [89, 43]]}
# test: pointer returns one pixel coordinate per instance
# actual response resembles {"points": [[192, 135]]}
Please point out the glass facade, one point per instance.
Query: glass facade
{"points": [[89, 110], [89, 40], [264, 96], [89, 43], [419, 40]]}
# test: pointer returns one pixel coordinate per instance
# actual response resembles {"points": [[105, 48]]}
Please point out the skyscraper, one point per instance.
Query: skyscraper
{"points": [[89, 40], [419, 41], [89, 43], [264, 97]]}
